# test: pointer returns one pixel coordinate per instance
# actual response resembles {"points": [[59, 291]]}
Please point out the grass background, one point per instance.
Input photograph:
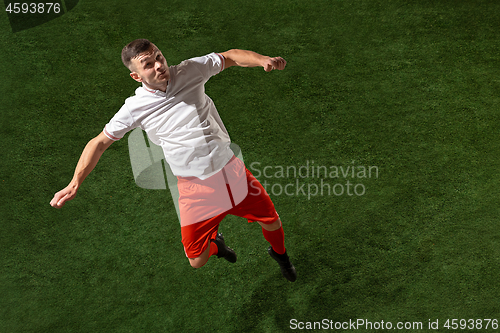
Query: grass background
{"points": [[411, 87]]}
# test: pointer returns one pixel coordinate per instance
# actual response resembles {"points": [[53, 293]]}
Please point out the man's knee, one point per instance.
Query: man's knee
{"points": [[273, 226], [197, 262], [200, 261]]}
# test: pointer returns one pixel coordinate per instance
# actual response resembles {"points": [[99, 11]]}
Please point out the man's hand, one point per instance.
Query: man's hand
{"points": [[274, 63], [66, 194]]}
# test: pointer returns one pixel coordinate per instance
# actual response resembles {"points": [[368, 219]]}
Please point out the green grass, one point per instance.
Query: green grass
{"points": [[412, 87]]}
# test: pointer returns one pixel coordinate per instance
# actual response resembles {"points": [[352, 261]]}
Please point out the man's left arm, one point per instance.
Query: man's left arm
{"points": [[244, 58]]}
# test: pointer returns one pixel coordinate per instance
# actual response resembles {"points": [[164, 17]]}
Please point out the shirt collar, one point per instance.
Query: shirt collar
{"points": [[152, 91]]}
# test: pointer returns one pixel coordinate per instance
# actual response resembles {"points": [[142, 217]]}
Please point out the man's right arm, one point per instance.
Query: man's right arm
{"points": [[88, 160]]}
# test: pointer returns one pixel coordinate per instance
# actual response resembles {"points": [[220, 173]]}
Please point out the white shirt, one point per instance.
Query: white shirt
{"points": [[183, 120]]}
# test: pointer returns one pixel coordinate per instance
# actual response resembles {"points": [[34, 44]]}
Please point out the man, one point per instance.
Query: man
{"points": [[172, 108]]}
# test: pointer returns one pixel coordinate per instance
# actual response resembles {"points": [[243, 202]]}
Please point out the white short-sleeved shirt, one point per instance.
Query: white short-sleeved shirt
{"points": [[183, 120]]}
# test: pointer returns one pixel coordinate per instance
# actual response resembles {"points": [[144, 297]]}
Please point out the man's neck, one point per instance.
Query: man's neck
{"points": [[152, 89]]}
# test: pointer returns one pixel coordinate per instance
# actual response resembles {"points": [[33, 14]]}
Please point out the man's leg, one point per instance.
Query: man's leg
{"points": [[258, 207], [275, 235], [217, 247], [201, 260]]}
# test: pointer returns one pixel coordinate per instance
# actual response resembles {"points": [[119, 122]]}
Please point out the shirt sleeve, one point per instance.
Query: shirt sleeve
{"points": [[209, 65], [120, 124]]}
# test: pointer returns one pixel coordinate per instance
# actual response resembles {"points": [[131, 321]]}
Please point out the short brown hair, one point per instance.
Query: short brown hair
{"points": [[133, 49]]}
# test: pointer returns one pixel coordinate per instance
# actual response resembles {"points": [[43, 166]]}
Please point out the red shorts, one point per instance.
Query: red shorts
{"points": [[197, 197]]}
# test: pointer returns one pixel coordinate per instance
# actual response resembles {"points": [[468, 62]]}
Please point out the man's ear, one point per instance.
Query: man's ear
{"points": [[135, 76]]}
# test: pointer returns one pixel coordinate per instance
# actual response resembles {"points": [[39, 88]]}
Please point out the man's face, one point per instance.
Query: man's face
{"points": [[151, 68]]}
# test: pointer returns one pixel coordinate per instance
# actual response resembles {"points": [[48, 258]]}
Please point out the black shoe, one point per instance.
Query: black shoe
{"points": [[286, 266], [223, 251]]}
